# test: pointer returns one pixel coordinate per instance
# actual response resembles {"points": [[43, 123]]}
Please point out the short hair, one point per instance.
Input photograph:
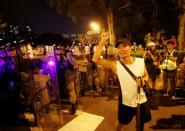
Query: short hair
{"points": [[124, 42]]}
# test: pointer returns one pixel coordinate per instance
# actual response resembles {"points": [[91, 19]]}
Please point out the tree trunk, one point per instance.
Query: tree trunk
{"points": [[181, 36], [110, 26]]}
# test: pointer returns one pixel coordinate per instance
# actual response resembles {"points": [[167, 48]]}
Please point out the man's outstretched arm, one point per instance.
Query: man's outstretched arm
{"points": [[96, 57]]}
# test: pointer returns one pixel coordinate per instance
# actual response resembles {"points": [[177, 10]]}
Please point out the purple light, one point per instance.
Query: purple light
{"points": [[51, 63], [41, 71]]}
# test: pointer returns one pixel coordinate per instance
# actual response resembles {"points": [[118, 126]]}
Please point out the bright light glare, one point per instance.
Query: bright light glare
{"points": [[51, 63], [95, 26]]}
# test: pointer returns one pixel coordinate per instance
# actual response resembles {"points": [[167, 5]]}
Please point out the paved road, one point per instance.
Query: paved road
{"points": [[167, 114]]}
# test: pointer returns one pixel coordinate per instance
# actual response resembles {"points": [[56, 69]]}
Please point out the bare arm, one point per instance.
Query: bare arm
{"points": [[174, 59], [103, 62], [153, 57]]}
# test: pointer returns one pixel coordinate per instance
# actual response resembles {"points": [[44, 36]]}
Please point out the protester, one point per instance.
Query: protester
{"points": [[127, 103], [151, 63], [148, 38]]}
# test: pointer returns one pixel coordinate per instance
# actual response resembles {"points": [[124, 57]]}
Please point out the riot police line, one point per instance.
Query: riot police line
{"points": [[28, 85], [37, 80]]}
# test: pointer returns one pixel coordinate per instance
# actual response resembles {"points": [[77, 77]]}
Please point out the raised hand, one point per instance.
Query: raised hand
{"points": [[104, 37]]}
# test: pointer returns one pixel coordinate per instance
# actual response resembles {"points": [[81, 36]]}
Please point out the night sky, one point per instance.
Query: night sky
{"points": [[39, 15]]}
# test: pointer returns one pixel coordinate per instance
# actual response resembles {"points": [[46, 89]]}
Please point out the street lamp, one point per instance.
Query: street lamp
{"points": [[95, 27], [95, 30]]}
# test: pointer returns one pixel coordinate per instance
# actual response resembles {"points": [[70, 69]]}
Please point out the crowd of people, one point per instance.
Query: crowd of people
{"points": [[80, 69], [136, 65], [161, 58], [36, 81]]}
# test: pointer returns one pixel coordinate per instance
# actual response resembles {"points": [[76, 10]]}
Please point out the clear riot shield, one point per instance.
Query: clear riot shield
{"points": [[40, 88]]}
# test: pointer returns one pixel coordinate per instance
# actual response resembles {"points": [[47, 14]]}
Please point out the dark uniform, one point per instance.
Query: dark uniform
{"points": [[10, 85]]}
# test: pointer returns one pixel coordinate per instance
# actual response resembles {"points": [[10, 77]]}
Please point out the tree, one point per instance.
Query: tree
{"points": [[181, 35], [132, 17], [78, 9]]}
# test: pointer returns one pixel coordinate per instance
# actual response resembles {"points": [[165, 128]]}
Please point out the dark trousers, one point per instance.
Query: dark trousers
{"points": [[171, 76], [126, 114]]}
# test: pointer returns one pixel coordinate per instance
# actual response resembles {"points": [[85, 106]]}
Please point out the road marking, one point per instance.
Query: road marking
{"points": [[83, 122]]}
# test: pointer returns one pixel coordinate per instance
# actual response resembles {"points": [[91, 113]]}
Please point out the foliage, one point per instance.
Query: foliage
{"points": [[77, 9], [131, 17], [144, 16]]}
